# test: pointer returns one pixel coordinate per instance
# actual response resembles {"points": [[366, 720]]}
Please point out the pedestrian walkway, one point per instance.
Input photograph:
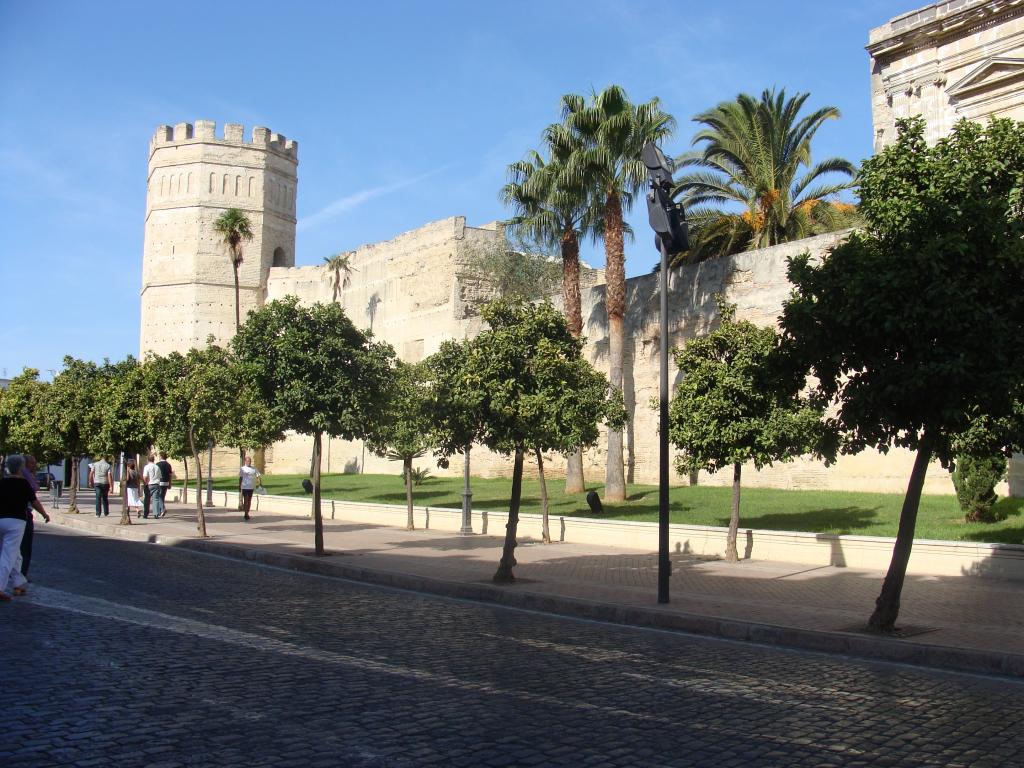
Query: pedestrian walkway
{"points": [[968, 623]]}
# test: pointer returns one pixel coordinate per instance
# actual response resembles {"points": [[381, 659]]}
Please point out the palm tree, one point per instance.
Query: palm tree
{"points": [[554, 210], [235, 227], [610, 131], [340, 268], [757, 154]]}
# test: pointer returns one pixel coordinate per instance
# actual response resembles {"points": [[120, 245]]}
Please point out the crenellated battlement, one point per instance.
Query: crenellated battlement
{"points": [[206, 131]]}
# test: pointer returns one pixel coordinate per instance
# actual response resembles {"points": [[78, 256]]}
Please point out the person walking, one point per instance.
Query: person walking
{"points": [[151, 486], [16, 495], [29, 473], [131, 488], [248, 475], [166, 475], [100, 475]]}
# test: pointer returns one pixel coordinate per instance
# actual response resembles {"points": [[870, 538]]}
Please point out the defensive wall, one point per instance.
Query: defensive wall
{"points": [[415, 290]]}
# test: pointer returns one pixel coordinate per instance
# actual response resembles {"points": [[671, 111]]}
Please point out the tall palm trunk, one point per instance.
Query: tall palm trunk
{"points": [[615, 302], [200, 516], [410, 524], [731, 554], [238, 292], [318, 519], [570, 246], [545, 529], [508, 552], [887, 606]]}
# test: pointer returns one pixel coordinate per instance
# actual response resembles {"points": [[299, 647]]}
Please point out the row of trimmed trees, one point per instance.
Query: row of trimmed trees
{"points": [[522, 386]]}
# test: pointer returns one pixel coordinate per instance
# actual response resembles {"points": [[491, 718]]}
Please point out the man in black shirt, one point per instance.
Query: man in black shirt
{"points": [[16, 495], [166, 475]]}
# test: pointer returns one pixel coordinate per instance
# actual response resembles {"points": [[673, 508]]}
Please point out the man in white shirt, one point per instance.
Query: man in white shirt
{"points": [[100, 475], [151, 486], [247, 477]]}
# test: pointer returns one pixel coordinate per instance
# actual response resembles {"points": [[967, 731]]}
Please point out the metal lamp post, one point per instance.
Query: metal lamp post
{"points": [[669, 223]]}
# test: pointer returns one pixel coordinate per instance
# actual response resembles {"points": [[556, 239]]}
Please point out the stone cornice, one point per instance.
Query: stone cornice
{"points": [[923, 27]]}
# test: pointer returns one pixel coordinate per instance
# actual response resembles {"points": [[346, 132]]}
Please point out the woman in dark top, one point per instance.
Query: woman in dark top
{"points": [[16, 496]]}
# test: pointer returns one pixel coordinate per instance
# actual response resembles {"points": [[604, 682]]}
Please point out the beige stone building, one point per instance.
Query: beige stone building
{"points": [[947, 61], [960, 58], [188, 288]]}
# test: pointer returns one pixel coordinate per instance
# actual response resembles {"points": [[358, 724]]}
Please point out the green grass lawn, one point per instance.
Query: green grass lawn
{"points": [[867, 514]]}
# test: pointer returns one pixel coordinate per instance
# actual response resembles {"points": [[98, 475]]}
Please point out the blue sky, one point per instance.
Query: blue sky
{"points": [[405, 113]]}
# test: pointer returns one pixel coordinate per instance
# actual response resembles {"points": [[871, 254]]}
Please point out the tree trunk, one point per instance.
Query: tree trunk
{"points": [[571, 282], [184, 487], [73, 497], [731, 555], [318, 519], [615, 302], [126, 515], [574, 482], [887, 606], [615, 477], [410, 524], [241, 462], [200, 517], [545, 530], [508, 552]]}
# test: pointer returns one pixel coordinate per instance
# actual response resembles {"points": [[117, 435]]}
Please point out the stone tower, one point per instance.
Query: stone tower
{"points": [[187, 280]]}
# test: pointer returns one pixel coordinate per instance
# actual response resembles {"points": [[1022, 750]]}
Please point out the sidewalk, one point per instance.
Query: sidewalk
{"points": [[964, 623]]}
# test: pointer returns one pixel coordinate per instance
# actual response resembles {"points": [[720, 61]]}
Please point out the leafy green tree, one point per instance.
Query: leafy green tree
{"points": [[319, 374], [253, 425], [23, 428], [339, 268], [533, 389], [194, 393], [169, 435], [124, 426], [72, 415], [756, 154], [912, 327], [406, 434], [733, 406], [555, 209], [610, 131], [234, 226], [513, 271]]}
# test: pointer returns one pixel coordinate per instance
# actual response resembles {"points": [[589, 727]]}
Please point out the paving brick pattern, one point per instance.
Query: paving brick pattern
{"points": [[129, 655]]}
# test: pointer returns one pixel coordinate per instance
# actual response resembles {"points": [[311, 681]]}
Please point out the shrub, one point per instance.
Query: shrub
{"points": [[975, 480]]}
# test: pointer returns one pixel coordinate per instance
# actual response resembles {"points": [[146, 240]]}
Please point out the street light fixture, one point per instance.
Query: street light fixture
{"points": [[668, 221]]}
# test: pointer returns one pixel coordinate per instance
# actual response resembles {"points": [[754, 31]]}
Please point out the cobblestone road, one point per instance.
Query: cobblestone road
{"points": [[134, 655]]}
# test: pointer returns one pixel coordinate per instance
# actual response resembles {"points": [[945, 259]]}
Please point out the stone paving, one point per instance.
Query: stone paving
{"points": [[964, 622], [129, 655]]}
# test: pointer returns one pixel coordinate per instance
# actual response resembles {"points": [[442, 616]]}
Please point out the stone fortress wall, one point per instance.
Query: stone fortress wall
{"points": [[947, 61], [194, 176], [952, 59], [425, 298]]}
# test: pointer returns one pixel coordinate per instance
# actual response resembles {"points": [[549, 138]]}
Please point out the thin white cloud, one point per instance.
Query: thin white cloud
{"points": [[354, 200]]}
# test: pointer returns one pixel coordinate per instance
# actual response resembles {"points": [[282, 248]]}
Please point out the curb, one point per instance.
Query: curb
{"points": [[515, 596]]}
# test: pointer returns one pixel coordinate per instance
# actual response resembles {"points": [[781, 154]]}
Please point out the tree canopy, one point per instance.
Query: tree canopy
{"points": [[736, 404], [534, 389], [911, 328], [318, 373]]}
